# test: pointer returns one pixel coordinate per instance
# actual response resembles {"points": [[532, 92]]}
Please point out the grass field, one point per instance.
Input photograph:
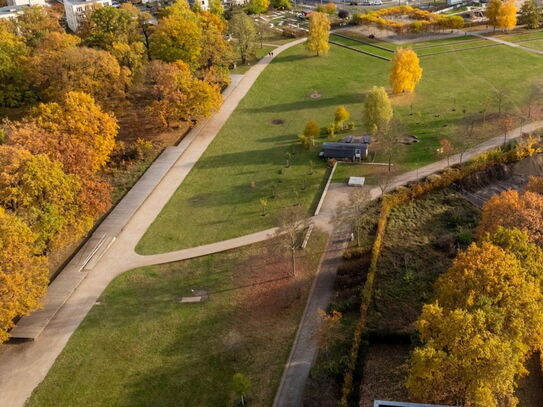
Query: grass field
{"points": [[420, 240], [220, 198], [140, 347]]}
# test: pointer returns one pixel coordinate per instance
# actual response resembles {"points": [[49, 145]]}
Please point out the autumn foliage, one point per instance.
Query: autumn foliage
{"points": [[487, 319], [406, 71], [514, 209], [319, 31], [23, 273]]}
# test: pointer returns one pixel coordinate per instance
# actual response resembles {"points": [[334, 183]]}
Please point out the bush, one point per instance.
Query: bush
{"points": [[343, 14], [465, 237], [354, 253]]}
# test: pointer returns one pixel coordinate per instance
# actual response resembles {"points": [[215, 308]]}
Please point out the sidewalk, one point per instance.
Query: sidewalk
{"points": [[24, 365]]}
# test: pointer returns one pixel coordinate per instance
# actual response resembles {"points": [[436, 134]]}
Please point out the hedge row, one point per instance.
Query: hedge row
{"points": [[525, 148], [424, 20]]}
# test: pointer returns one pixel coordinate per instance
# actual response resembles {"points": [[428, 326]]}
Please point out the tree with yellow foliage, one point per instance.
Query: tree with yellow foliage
{"points": [[463, 361], [486, 321], [378, 110], [406, 71], [39, 192], [23, 274], [319, 31], [341, 116], [79, 116], [507, 15], [491, 12]]}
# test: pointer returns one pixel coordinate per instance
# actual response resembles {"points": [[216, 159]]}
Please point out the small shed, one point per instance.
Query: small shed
{"points": [[356, 181], [344, 151]]}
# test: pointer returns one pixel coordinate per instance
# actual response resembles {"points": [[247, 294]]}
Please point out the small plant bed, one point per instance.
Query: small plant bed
{"points": [[139, 346], [421, 240]]}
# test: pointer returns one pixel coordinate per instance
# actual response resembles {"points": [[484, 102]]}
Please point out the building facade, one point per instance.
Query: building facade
{"points": [[76, 10]]}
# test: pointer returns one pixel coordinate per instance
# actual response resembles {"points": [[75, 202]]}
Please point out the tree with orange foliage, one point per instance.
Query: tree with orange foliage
{"points": [[177, 94], [507, 15], [81, 118], [406, 71], [535, 184], [513, 210], [38, 191], [23, 274]]}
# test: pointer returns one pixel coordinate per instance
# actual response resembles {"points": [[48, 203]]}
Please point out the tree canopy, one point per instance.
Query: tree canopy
{"points": [[406, 71], [319, 32]]}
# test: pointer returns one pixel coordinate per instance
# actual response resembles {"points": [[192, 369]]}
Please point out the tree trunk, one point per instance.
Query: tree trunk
{"points": [[293, 260]]}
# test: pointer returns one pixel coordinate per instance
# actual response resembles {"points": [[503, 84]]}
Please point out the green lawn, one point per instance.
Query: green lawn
{"points": [[140, 347], [259, 53], [219, 200]]}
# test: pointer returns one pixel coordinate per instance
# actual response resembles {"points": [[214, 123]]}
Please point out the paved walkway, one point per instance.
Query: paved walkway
{"points": [[304, 349], [509, 44], [23, 366]]}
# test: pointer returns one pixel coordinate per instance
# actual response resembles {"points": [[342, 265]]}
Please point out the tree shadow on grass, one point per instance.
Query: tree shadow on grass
{"points": [[291, 58], [308, 103]]}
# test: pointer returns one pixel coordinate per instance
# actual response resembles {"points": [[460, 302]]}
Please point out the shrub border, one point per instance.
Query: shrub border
{"points": [[403, 195]]}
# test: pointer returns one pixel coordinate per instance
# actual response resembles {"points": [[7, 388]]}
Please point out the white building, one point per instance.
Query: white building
{"points": [[10, 11], [26, 3], [76, 9], [15, 7]]}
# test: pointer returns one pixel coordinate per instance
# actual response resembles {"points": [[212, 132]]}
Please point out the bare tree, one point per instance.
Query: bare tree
{"points": [[500, 97], [291, 222], [351, 212], [390, 137]]}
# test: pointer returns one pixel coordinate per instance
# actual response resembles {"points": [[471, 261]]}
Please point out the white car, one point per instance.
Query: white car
{"points": [[378, 3]]}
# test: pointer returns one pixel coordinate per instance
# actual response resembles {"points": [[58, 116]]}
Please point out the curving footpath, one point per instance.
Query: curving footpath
{"points": [[24, 365]]}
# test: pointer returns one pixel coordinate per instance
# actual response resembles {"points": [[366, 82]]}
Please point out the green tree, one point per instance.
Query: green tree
{"points": [[530, 14], [216, 7], [241, 386], [23, 274], [108, 25], [282, 4], [491, 12], [243, 29], [377, 111], [258, 6], [319, 32]]}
